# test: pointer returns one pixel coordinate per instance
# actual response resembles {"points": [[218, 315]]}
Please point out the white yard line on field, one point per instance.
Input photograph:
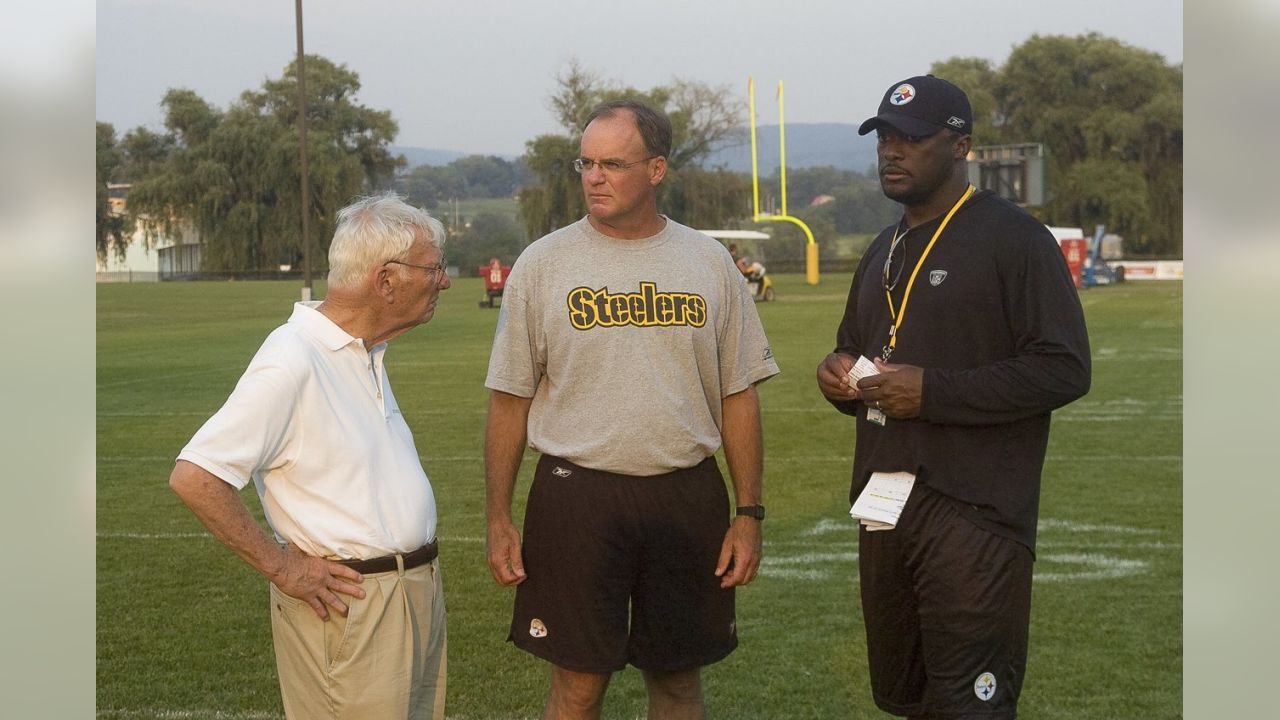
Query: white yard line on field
{"points": [[1099, 567], [171, 376], [464, 539], [788, 559], [172, 458], [163, 714]]}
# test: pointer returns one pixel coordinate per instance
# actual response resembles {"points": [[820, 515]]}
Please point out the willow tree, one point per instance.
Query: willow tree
{"points": [[110, 228], [233, 176], [1110, 115]]}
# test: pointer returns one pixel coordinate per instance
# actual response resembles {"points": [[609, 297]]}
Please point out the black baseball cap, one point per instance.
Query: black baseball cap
{"points": [[923, 105]]}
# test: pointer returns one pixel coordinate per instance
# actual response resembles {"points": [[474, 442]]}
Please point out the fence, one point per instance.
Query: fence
{"points": [[127, 276]]}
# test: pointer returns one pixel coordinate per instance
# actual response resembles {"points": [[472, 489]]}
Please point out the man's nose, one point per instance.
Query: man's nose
{"points": [[891, 148]]}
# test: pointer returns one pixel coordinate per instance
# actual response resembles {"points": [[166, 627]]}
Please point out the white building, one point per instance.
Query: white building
{"points": [[166, 259]]}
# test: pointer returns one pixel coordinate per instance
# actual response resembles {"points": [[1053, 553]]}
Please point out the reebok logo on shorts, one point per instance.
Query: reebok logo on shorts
{"points": [[985, 686], [561, 472], [648, 308], [537, 628]]}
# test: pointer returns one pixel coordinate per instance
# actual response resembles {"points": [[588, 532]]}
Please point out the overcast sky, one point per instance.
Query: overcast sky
{"points": [[474, 75]]}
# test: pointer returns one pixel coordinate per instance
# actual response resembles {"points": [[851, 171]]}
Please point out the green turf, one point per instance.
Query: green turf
{"points": [[183, 629]]}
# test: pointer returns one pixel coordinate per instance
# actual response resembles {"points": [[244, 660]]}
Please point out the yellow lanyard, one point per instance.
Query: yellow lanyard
{"points": [[899, 315]]}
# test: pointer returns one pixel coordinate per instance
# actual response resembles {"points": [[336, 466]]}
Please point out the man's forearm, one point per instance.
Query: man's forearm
{"points": [[504, 441], [219, 508], [744, 445]]}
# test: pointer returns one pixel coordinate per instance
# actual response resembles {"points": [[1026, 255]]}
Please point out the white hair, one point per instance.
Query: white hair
{"points": [[373, 230]]}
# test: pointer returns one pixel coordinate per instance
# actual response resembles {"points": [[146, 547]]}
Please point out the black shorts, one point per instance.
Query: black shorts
{"points": [[599, 547], [947, 605]]}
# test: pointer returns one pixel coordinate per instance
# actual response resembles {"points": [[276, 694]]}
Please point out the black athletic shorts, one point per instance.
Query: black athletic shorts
{"points": [[946, 605], [621, 569]]}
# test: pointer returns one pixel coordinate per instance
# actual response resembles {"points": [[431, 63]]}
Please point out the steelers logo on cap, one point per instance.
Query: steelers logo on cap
{"points": [[902, 94]]}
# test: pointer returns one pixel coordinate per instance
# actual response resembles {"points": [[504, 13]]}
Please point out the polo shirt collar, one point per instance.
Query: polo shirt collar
{"points": [[314, 323]]}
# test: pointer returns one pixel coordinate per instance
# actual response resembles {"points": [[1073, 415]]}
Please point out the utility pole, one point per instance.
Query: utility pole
{"points": [[302, 146]]}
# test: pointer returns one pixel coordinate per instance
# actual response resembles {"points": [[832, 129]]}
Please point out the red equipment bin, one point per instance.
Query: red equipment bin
{"points": [[1074, 250], [495, 280]]}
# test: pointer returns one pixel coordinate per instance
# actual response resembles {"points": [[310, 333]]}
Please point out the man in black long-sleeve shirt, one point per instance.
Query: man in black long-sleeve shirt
{"points": [[969, 314]]}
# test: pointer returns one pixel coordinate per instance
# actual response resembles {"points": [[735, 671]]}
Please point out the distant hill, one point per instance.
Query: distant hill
{"points": [[808, 145]]}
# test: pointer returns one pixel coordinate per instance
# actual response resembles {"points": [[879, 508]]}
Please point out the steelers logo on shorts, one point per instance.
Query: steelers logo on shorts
{"points": [[537, 628], [985, 686]]}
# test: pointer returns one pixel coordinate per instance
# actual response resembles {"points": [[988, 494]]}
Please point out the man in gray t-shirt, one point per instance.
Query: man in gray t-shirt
{"points": [[627, 352]]}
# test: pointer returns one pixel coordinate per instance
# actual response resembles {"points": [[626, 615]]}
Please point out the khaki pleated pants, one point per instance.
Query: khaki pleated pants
{"points": [[385, 660]]}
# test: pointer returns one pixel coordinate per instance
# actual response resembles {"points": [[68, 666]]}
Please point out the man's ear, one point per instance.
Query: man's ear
{"points": [[659, 171], [963, 145], [385, 282]]}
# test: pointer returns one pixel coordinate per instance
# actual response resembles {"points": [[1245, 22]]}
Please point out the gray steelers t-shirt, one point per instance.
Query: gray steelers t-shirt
{"points": [[627, 346]]}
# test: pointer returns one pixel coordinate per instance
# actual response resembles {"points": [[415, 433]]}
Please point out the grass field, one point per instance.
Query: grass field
{"points": [[183, 629], [468, 208]]}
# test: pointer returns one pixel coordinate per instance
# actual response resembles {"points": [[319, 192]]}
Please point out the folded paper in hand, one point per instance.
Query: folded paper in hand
{"points": [[882, 500], [862, 368]]}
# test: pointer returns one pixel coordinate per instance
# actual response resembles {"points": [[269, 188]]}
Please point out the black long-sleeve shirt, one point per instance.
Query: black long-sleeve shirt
{"points": [[1002, 340]]}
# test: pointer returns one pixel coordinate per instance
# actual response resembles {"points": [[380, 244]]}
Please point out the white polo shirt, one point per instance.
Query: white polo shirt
{"points": [[314, 423]]}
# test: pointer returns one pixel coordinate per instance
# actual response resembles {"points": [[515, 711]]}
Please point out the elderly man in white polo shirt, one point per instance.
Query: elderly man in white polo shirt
{"points": [[357, 607]]}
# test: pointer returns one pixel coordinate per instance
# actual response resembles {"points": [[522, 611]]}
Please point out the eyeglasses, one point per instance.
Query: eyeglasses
{"points": [[438, 267], [898, 239], [609, 166]]}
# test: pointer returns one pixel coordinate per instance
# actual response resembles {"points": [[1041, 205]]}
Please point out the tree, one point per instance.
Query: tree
{"points": [[858, 204], [785, 249], [707, 199], [806, 184], [473, 176], [110, 226], [486, 176], [1111, 117], [233, 177], [1094, 99], [557, 198], [488, 235], [860, 207], [978, 80], [702, 117], [429, 185]]}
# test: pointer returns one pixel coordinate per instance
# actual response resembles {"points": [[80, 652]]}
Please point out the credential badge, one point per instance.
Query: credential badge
{"points": [[936, 277]]}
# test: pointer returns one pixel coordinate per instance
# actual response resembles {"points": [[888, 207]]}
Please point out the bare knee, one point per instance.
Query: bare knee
{"points": [[675, 694], [575, 695]]}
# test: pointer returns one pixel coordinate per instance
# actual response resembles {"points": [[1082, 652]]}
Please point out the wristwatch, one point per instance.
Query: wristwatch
{"points": [[755, 511]]}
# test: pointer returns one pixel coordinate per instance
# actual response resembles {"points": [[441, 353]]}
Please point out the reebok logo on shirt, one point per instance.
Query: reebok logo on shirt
{"points": [[648, 308]]}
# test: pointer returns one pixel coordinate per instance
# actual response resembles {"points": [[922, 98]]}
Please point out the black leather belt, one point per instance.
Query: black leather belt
{"points": [[387, 563]]}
